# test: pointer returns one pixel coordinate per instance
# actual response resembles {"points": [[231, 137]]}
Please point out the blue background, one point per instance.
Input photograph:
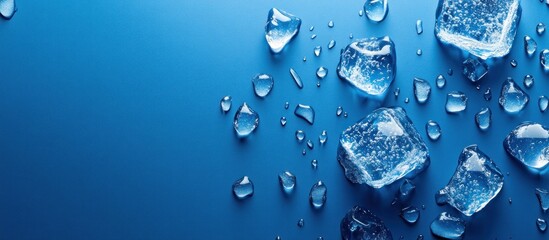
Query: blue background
{"points": [[110, 126]]}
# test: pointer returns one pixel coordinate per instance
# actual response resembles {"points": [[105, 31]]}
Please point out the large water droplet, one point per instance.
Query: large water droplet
{"points": [[528, 143], [422, 90], [512, 98], [544, 59], [456, 101], [419, 27], [317, 50], [300, 135], [528, 81], [331, 44], [440, 81], [543, 103], [305, 112], [323, 137], [287, 181], [262, 83], [243, 188], [376, 10], [226, 103], [296, 77], [281, 27], [448, 227], [530, 45], [317, 196], [410, 214], [7, 8], [321, 72], [543, 198], [246, 120], [433, 130], [483, 118], [542, 224], [540, 28]]}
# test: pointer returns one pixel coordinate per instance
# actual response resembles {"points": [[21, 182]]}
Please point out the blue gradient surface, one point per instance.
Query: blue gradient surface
{"points": [[110, 126]]}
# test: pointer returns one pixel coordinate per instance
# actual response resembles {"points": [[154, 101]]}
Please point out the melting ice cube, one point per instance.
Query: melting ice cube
{"points": [[359, 223], [280, 28]]}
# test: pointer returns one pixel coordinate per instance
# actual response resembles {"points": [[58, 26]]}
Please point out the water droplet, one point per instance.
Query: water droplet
{"points": [[540, 28], [406, 100], [514, 63], [448, 227], [245, 121], [528, 81], [544, 59], [396, 92], [321, 72], [440, 81], [301, 223], [474, 69], [339, 111], [314, 163], [406, 190], [287, 181], [512, 98], [350, 35], [345, 114], [419, 52], [286, 105], [304, 152], [488, 94], [528, 143], [542, 224], [422, 90], [263, 84], [419, 27], [410, 214], [331, 24], [456, 101], [543, 198], [376, 10], [283, 121], [543, 102], [450, 72], [420, 237], [483, 118], [317, 196], [360, 223], [331, 44], [300, 135], [318, 84], [317, 50], [360, 13], [313, 36], [304, 59], [297, 78], [510, 200], [281, 27], [243, 188], [226, 103], [7, 8], [305, 112], [530, 45], [433, 130], [312, 28], [310, 144], [278, 238], [323, 137]]}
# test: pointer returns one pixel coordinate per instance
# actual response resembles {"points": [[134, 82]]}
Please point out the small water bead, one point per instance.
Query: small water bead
{"points": [[310, 144], [530, 45], [488, 94], [542, 224], [318, 84], [245, 120], [300, 135], [419, 27], [323, 137], [305, 112], [528, 81], [410, 214], [483, 118], [345, 114], [313, 36], [456, 101], [226, 103], [314, 163], [287, 181], [296, 78], [262, 84], [544, 59], [440, 81], [422, 90], [283, 121], [397, 92], [419, 52], [331, 44], [331, 24], [7, 9], [339, 111], [312, 28], [243, 188], [450, 72], [278, 238], [376, 10], [301, 223], [513, 63], [510, 200], [317, 50], [286, 105], [420, 237], [360, 12], [406, 100], [317, 195], [304, 59], [321, 72], [350, 35], [433, 130], [540, 28], [543, 102], [304, 152]]}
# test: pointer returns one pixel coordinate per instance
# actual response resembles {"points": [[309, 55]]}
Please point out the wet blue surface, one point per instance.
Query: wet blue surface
{"points": [[110, 126]]}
